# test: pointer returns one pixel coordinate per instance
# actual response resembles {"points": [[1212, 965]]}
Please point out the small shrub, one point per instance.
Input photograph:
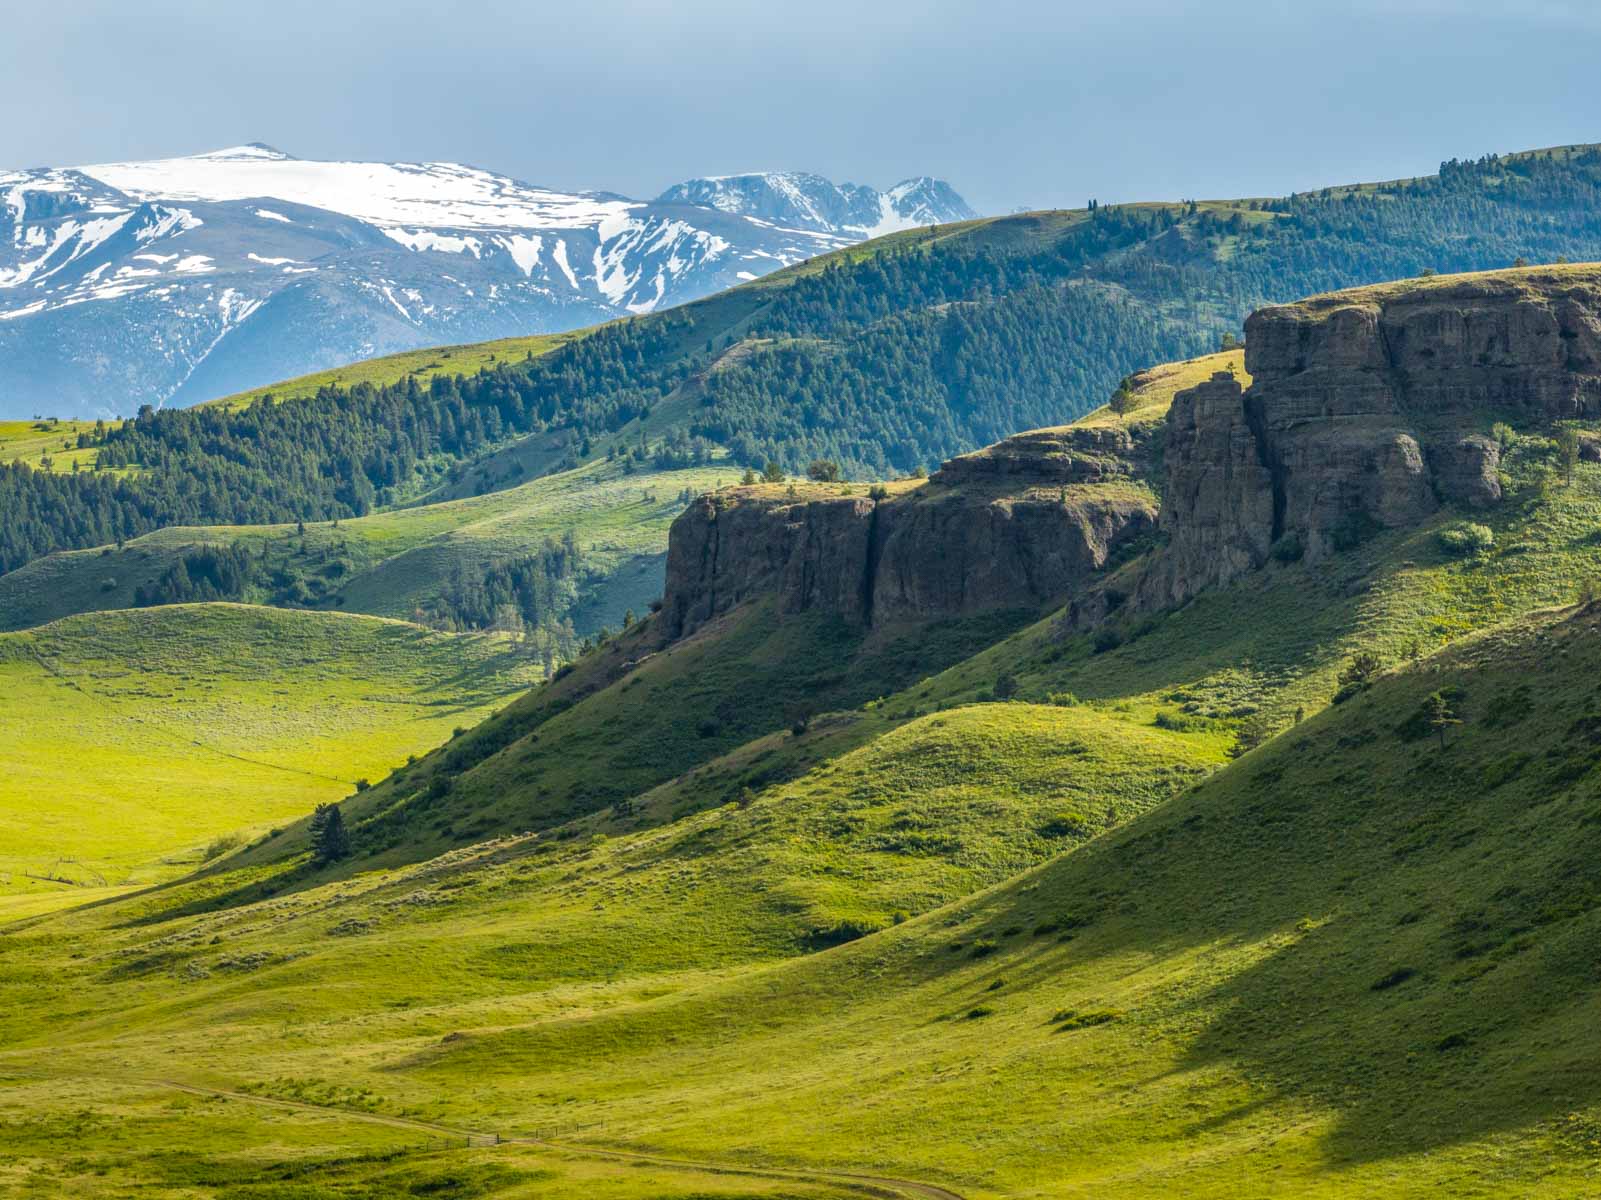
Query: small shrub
{"points": [[1067, 824], [1071, 1018], [1394, 979], [878, 492], [973, 1014], [1179, 722], [1358, 675], [1006, 687], [983, 948], [1466, 538], [824, 937], [1356, 527], [1062, 699], [1288, 549], [1108, 637], [220, 846]]}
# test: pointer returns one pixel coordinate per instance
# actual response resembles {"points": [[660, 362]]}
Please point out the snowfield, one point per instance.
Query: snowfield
{"points": [[179, 279]]}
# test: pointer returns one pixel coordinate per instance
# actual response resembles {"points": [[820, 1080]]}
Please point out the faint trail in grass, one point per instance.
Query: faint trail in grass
{"points": [[165, 731], [863, 1183]]}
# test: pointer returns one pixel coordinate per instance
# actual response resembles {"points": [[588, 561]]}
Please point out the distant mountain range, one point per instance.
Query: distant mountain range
{"points": [[178, 280]]}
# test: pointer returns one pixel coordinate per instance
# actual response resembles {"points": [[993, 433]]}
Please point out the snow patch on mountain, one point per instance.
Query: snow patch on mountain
{"points": [[174, 280], [800, 200]]}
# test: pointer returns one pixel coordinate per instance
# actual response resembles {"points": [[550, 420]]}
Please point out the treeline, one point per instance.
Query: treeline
{"points": [[881, 364], [210, 573], [530, 597]]}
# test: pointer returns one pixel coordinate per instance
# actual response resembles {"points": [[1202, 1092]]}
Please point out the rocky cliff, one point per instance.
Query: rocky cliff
{"points": [[1367, 409], [1355, 411], [1022, 524]]}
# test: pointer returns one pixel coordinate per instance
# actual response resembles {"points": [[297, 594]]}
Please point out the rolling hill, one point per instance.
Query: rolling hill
{"points": [[136, 740], [981, 833]]}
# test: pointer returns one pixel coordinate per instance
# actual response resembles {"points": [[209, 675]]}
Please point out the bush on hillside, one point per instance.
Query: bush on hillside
{"points": [[1466, 538]]}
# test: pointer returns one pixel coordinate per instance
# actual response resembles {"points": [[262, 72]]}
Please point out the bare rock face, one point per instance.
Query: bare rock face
{"points": [[1020, 525], [1367, 409]]}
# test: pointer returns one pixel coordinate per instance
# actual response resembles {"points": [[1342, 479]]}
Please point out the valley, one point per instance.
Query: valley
{"points": [[1193, 798]]}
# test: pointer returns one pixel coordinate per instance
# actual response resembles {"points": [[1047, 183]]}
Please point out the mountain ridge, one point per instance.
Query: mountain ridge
{"points": [[183, 279]]}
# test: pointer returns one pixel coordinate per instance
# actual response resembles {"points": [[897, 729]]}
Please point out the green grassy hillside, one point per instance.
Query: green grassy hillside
{"points": [[421, 365], [1339, 966], [136, 740], [1057, 946], [392, 562]]}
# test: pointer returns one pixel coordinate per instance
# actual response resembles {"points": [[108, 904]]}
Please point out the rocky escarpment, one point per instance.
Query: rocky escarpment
{"points": [[1022, 524], [1367, 409]]}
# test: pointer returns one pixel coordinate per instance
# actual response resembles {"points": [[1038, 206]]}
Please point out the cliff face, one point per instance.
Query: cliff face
{"points": [[1364, 409], [1367, 409], [1020, 525]]}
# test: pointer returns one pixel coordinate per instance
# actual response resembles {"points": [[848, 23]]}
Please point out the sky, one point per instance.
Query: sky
{"points": [[1018, 103]]}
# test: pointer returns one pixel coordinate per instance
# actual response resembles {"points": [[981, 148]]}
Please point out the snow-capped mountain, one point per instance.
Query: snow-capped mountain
{"points": [[798, 200], [177, 280]]}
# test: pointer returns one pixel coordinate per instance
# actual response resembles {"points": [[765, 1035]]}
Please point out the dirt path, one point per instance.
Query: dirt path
{"points": [[878, 1185]]}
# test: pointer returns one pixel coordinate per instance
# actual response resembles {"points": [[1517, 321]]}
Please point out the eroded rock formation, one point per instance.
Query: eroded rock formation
{"points": [[1020, 525], [1367, 409]]}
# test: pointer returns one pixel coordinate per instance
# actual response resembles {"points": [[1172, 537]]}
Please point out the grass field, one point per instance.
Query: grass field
{"points": [[136, 739], [35, 442], [789, 896], [1325, 971]]}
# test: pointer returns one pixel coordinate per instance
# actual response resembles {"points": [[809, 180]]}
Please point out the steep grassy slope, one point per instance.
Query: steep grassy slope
{"points": [[1354, 961], [135, 739]]}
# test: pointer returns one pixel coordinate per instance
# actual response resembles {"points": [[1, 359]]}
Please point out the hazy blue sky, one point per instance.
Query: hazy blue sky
{"points": [[1017, 103]]}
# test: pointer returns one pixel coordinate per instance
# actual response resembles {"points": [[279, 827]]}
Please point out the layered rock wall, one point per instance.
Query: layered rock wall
{"points": [[1020, 525], [1367, 409]]}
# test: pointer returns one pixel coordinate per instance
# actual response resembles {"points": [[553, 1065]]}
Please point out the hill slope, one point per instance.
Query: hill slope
{"points": [[962, 831], [134, 739]]}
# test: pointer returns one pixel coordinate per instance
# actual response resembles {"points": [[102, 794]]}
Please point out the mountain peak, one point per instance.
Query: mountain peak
{"points": [[250, 150], [802, 200]]}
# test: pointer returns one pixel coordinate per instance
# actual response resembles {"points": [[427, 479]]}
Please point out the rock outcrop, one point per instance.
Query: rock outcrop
{"points": [[1020, 525], [1364, 410], [1367, 409]]}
